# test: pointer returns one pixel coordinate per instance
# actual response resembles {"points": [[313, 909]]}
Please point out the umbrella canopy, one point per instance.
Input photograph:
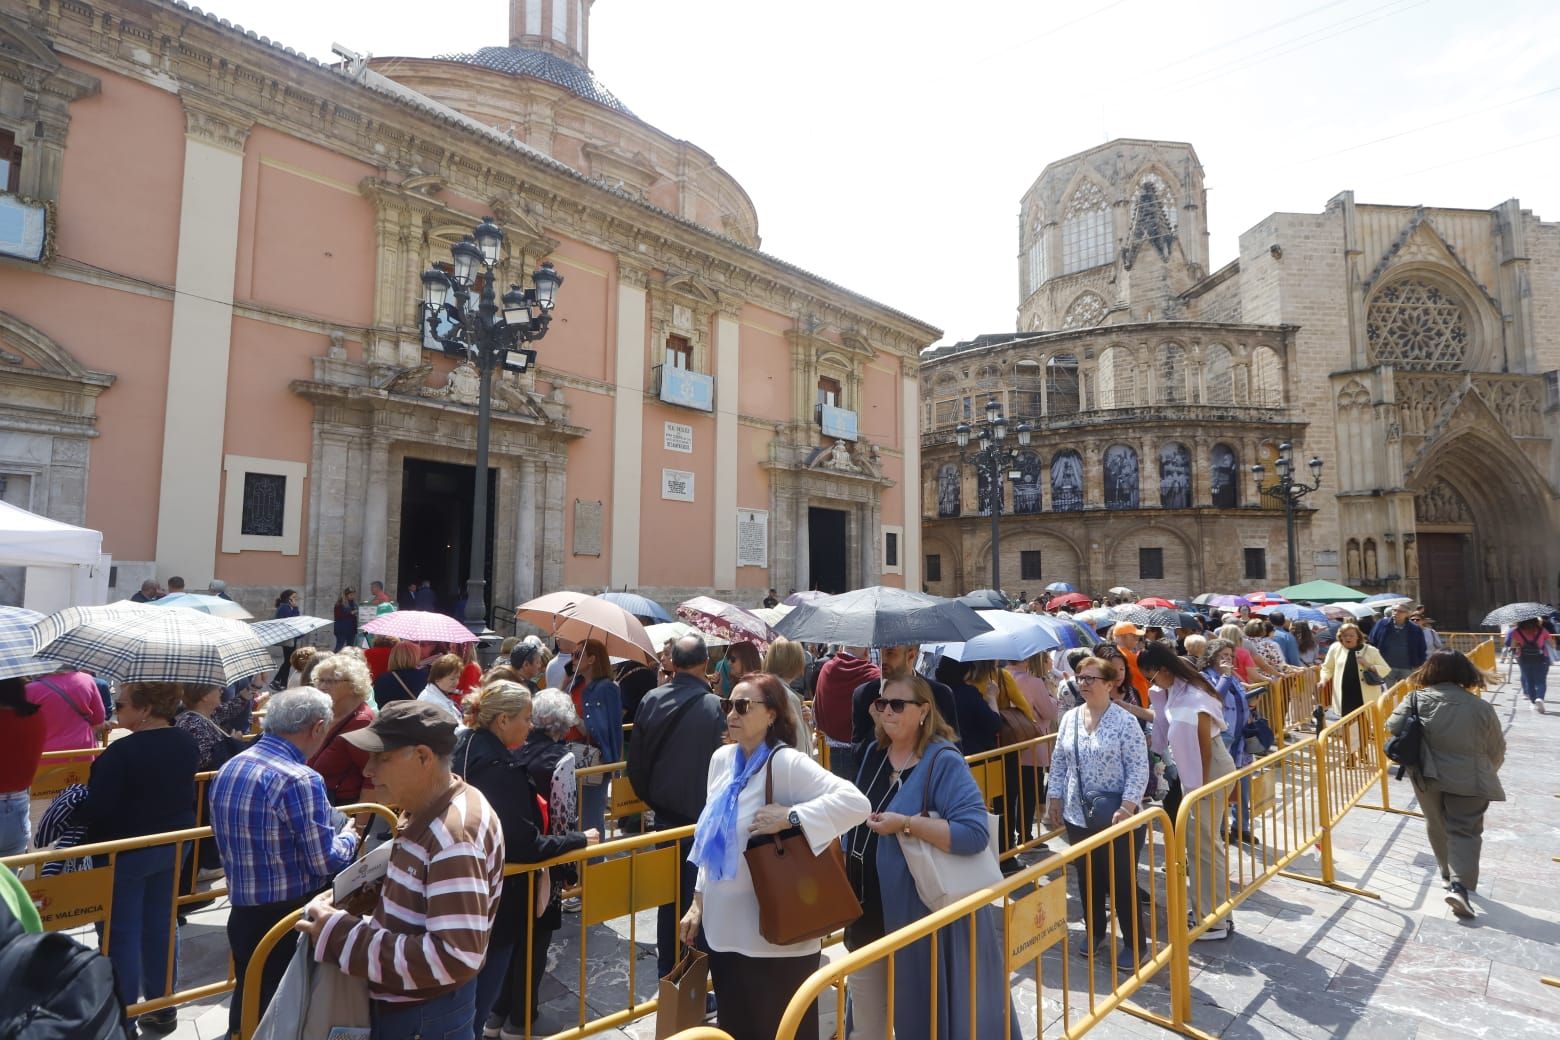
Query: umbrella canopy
{"points": [[882, 616], [576, 616], [733, 623], [1356, 611], [216, 606], [659, 634], [1516, 613], [1295, 612], [286, 629], [1060, 586], [16, 644], [637, 605], [1265, 599], [1130, 613], [1074, 632], [1212, 599], [1162, 617], [1069, 599], [1122, 592], [984, 599], [1099, 617], [1157, 601], [796, 599], [1322, 591], [141, 643], [1333, 612], [771, 615], [1383, 599], [420, 626], [1013, 637]]}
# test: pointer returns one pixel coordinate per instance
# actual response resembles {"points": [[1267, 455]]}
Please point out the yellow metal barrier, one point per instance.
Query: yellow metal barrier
{"points": [[57, 770], [1036, 942], [1010, 788], [711, 1033]]}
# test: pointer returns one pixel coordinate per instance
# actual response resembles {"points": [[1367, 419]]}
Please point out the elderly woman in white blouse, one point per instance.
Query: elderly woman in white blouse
{"points": [[755, 980], [1099, 771]]}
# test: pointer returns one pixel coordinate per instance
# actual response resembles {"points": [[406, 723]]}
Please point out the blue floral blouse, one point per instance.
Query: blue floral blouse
{"points": [[1112, 758]]}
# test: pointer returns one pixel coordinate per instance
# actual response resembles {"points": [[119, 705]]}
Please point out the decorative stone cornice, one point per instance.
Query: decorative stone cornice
{"points": [[208, 119]]}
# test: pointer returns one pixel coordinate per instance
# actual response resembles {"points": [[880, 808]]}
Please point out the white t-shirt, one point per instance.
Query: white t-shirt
{"points": [[556, 677]]}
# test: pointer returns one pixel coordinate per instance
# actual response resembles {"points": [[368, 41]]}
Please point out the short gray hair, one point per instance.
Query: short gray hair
{"points": [[552, 712], [296, 711]]}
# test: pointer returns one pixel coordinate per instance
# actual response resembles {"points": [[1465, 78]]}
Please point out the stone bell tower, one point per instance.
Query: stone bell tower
{"points": [[560, 27]]}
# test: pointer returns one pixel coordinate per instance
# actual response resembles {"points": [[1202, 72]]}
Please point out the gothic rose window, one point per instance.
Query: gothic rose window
{"points": [[1416, 325], [1087, 311]]}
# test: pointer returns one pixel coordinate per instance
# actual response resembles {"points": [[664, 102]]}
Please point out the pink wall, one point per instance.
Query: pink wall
{"points": [[765, 382], [677, 539], [753, 493], [878, 417], [126, 220], [578, 340], [589, 478]]}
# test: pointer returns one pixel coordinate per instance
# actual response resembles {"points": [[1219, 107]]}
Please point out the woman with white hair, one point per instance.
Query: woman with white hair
{"points": [[345, 677]]}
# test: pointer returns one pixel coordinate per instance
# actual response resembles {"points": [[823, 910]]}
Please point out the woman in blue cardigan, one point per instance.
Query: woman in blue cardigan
{"points": [[899, 767]]}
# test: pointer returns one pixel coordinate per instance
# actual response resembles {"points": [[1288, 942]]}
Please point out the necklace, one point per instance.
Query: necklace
{"points": [[895, 772]]}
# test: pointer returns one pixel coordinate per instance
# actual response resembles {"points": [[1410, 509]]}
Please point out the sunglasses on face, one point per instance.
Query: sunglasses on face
{"points": [[740, 705], [897, 705]]}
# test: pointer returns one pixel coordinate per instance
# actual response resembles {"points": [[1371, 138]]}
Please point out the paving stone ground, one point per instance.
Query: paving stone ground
{"points": [[1305, 962]]}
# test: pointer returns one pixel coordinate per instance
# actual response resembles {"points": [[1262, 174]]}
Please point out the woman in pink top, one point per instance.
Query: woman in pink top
{"points": [[1034, 682], [72, 710]]}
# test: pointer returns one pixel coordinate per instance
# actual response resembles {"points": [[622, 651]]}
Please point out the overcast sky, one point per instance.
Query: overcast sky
{"points": [[886, 143]]}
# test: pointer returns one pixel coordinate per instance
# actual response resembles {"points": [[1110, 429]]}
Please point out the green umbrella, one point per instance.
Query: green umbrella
{"points": [[1320, 591]]}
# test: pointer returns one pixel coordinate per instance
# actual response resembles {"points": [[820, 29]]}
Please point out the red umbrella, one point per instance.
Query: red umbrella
{"points": [[719, 618], [1265, 599], [1156, 601], [1069, 599]]}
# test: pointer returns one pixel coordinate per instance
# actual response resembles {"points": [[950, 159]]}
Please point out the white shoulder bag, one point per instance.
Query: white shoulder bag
{"points": [[943, 878]]}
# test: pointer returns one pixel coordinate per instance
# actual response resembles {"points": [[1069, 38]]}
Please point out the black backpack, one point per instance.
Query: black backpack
{"points": [[55, 988], [1404, 747]]}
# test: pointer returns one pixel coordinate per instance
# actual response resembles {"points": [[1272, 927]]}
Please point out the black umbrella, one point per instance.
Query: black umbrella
{"points": [[984, 599], [1160, 617], [882, 616], [1516, 613]]}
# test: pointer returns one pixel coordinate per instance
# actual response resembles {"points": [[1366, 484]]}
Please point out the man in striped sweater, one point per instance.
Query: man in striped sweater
{"points": [[426, 940]]}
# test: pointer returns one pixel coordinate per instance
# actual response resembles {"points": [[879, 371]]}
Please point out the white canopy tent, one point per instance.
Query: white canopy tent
{"points": [[65, 565]]}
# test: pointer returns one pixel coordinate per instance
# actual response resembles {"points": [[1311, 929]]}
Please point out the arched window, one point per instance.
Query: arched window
{"points": [[1224, 476], [1086, 231], [1085, 312], [1025, 399], [1172, 374], [948, 490], [1175, 477], [1026, 489], [1061, 384], [1218, 375], [1035, 271], [1413, 324], [1267, 379], [1121, 477], [1066, 482], [1116, 386], [1154, 214]]}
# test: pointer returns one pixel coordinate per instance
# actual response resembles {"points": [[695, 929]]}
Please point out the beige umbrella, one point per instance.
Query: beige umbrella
{"points": [[577, 617]]}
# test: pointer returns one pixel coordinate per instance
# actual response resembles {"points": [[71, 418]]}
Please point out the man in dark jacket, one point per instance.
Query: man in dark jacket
{"points": [[833, 701], [676, 730], [1401, 642], [898, 661]]}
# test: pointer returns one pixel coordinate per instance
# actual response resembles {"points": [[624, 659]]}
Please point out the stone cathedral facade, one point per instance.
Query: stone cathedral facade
{"points": [[1414, 349]]}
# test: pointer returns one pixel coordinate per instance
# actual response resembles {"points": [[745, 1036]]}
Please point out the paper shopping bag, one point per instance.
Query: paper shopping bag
{"points": [[681, 1005]]}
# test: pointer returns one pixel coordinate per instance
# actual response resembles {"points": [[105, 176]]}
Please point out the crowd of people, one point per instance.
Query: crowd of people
{"points": [[481, 767]]}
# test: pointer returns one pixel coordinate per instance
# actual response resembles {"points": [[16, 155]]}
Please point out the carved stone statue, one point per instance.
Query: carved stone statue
{"points": [[839, 458]]}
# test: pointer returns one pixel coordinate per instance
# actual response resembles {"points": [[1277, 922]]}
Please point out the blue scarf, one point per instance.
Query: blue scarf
{"points": [[715, 839]]}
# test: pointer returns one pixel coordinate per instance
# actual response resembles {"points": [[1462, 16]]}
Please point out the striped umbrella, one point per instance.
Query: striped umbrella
{"points": [[142, 643], [16, 644]]}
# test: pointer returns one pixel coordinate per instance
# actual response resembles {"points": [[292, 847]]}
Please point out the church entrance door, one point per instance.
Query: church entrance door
{"points": [[1443, 581], [826, 549], [436, 513]]}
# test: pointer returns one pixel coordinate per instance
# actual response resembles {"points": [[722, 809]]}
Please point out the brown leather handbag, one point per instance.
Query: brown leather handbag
{"points": [[800, 896]]}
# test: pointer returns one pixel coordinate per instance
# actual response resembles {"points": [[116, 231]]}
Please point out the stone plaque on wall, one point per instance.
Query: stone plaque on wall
{"points": [[678, 437], [677, 485], [752, 538], [587, 527]]}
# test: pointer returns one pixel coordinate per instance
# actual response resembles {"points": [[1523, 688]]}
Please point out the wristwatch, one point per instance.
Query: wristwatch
{"points": [[795, 820], [907, 824]]}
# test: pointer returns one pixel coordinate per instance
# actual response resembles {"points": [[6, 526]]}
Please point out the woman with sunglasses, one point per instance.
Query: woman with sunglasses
{"points": [[912, 762], [1101, 759], [1192, 714], [754, 979]]}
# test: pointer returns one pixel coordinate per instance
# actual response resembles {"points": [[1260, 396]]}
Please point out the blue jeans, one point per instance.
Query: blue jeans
{"points": [[1535, 673], [141, 923], [593, 806], [443, 1018], [14, 822], [490, 981]]}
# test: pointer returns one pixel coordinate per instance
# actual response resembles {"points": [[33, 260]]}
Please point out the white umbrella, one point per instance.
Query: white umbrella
{"points": [[659, 634], [773, 614], [1359, 610], [216, 606], [286, 629]]}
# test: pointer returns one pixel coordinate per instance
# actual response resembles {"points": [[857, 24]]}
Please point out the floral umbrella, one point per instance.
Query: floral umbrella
{"points": [[719, 618]]}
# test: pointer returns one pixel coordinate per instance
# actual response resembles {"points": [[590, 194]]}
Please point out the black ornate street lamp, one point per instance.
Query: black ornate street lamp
{"points": [[994, 462], [486, 335], [1288, 491]]}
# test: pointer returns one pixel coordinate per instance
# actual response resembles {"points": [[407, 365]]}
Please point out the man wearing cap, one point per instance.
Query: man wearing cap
{"points": [[278, 837], [428, 936], [1401, 642], [1126, 636]]}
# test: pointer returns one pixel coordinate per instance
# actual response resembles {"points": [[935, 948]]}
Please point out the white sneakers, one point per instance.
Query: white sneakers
{"points": [[1538, 706], [1457, 899]]}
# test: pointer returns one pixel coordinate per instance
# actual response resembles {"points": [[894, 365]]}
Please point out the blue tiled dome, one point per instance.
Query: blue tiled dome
{"points": [[522, 61]]}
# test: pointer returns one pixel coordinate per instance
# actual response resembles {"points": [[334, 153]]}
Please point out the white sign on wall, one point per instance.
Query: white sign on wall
{"points": [[752, 538], [677, 485], [679, 437]]}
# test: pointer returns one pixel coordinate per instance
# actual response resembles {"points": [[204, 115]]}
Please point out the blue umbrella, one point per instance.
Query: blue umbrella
{"points": [[637, 605], [16, 645], [1060, 586], [1295, 612], [1013, 637]]}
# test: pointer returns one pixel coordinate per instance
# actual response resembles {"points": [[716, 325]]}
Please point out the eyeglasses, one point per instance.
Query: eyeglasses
{"points": [[1090, 680], [897, 705], [740, 705]]}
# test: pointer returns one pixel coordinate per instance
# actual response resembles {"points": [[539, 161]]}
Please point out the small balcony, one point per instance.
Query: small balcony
{"points": [[835, 422], [684, 388]]}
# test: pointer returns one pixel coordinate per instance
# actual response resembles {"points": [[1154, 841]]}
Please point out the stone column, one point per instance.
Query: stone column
{"points": [[1148, 474], [376, 517], [525, 533], [1202, 478], [870, 528], [555, 480], [803, 579]]}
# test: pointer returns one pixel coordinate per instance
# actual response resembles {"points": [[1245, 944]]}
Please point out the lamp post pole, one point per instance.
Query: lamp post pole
{"points": [[1289, 491], [993, 462], [487, 336]]}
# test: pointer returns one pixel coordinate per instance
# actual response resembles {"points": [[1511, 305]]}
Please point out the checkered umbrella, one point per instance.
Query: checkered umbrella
{"points": [[16, 644], [286, 629], [134, 642], [420, 626]]}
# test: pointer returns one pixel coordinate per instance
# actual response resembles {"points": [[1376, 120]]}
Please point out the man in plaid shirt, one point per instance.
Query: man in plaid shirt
{"points": [[278, 836]]}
